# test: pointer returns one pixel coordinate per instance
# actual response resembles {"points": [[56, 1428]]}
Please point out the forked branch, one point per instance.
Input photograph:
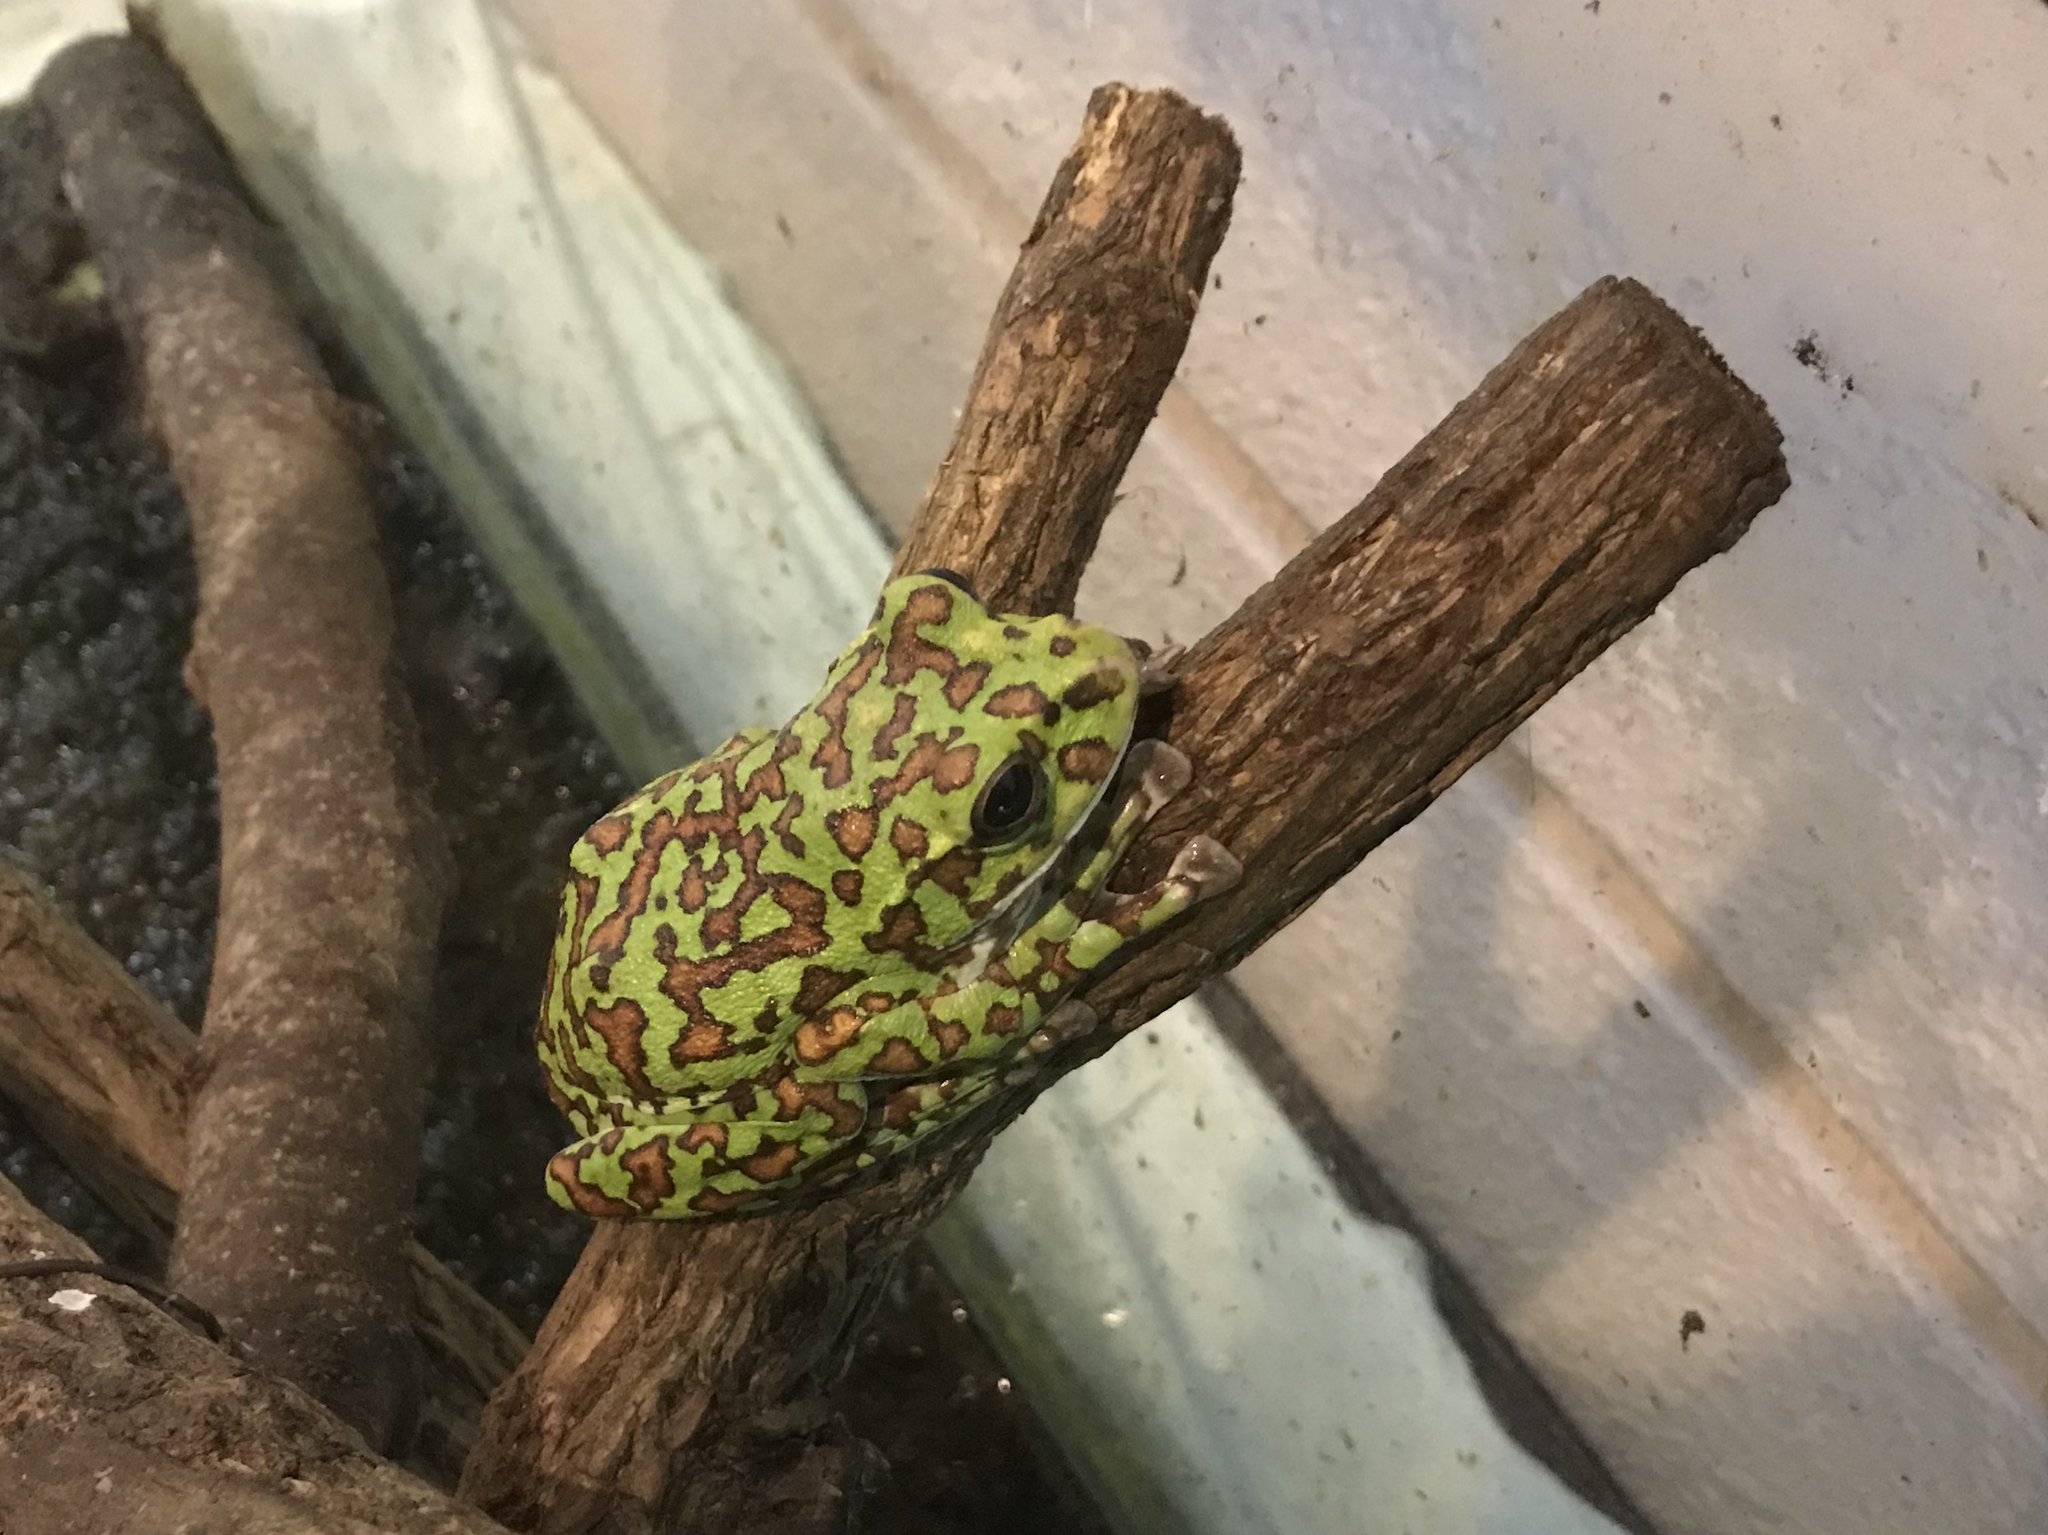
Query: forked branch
{"points": [[673, 1385]]}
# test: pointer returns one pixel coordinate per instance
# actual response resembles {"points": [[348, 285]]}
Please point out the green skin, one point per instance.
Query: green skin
{"points": [[818, 945]]}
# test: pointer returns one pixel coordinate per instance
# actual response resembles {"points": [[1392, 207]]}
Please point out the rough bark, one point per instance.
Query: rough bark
{"points": [[1609, 454], [1547, 515], [1085, 339], [101, 1071], [95, 1064], [119, 1417], [305, 1128]]}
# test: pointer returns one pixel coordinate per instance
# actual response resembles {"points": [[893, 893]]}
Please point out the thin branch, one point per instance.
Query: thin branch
{"points": [[1084, 342], [304, 1135]]}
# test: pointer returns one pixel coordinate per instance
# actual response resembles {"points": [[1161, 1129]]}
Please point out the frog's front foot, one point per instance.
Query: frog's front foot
{"points": [[1203, 867]]}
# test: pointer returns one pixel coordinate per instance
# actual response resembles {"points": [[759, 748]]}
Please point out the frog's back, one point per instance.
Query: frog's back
{"points": [[681, 925]]}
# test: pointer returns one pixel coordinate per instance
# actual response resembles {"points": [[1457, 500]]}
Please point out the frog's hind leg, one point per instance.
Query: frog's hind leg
{"points": [[717, 1164], [911, 1112], [644, 1172]]}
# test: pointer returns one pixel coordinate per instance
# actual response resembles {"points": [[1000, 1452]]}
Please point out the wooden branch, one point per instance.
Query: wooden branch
{"points": [[1547, 515], [97, 1067], [697, 1349], [304, 1135], [100, 1070], [119, 1417], [1085, 339]]}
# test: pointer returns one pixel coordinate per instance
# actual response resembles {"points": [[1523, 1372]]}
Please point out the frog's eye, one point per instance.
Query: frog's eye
{"points": [[952, 578], [1011, 802]]}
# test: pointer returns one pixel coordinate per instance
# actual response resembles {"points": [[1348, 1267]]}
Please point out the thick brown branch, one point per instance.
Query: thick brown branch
{"points": [[118, 1417], [1610, 453], [1084, 341], [100, 1070], [305, 1132]]}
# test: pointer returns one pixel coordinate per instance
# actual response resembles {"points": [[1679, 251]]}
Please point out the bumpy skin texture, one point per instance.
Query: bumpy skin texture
{"points": [[819, 944]]}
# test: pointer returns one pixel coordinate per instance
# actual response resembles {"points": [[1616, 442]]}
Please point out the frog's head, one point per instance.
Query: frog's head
{"points": [[962, 752]]}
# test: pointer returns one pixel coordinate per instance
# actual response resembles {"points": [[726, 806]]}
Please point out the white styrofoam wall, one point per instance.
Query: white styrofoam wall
{"points": [[1720, 989], [32, 30]]}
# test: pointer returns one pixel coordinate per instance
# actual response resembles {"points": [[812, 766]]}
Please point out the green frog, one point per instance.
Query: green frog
{"points": [[807, 952]]}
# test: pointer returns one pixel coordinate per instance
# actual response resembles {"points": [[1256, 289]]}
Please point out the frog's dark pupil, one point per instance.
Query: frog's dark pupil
{"points": [[1009, 799], [1009, 803]]}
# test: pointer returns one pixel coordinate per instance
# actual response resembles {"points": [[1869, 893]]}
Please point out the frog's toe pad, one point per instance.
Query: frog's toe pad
{"points": [[1155, 674], [1206, 866], [1070, 1020], [1162, 772]]}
